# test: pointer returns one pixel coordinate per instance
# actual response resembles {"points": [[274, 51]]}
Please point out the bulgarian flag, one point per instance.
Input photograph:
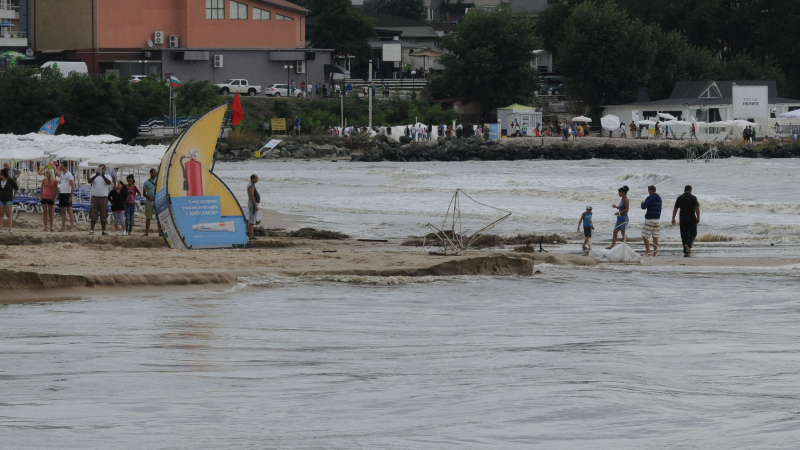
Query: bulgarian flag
{"points": [[174, 82]]}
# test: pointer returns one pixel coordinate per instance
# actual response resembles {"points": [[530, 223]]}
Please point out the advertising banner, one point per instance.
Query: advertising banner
{"points": [[195, 209], [750, 102], [494, 131], [278, 124]]}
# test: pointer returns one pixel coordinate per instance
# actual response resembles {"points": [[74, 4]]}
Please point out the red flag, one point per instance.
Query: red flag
{"points": [[238, 115], [61, 120]]}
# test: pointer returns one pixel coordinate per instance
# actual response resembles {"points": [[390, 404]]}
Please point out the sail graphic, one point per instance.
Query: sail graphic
{"points": [[195, 208]]}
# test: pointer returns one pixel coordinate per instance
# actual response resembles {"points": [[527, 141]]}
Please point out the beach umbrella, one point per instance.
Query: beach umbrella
{"points": [[7, 24], [21, 154], [646, 122], [133, 160], [667, 116], [581, 119], [791, 114], [610, 122]]}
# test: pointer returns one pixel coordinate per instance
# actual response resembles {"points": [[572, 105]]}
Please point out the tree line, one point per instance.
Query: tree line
{"points": [[93, 105]]}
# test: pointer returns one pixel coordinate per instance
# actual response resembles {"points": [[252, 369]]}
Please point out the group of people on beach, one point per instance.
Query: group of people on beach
{"points": [[686, 204], [58, 186]]}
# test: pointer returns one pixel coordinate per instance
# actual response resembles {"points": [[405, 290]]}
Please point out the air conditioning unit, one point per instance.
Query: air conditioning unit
{"points": [[217, 61], [158, 37], [301, 66], [174, 41]]}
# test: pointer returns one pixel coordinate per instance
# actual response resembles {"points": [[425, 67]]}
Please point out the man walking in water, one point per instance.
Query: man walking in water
{"points": [[690, 217], [652, 227]]}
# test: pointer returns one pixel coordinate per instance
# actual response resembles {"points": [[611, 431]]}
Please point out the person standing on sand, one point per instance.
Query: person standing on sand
{"points": [[8, 190], [130, 204], [117, 198], [149, 187], [622, 216], [98, 209], [48, 198], [588, 226], [633, 130], [66, 191], [253, 199], [652, 227], [690, 218]]}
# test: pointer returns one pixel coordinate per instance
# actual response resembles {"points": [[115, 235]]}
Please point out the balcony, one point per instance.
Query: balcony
{"points": [[8, 11], [14, 39]]}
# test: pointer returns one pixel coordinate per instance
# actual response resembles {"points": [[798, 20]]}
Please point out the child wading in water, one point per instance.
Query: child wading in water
{"points": [[588, 226]]}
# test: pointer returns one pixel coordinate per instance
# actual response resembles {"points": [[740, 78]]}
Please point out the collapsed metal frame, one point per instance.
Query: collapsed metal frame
{"points": [[457, 242]]}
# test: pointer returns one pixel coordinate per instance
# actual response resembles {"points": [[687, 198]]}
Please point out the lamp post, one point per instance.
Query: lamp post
{"points": [[288, 87], [413, 86]]}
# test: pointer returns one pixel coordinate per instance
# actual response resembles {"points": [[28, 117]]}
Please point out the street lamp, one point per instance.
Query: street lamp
{"points": [[288, 87], [413, 86]]}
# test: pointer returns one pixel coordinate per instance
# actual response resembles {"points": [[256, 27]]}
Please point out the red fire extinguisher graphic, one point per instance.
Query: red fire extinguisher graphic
{"points": [[192, 175]]}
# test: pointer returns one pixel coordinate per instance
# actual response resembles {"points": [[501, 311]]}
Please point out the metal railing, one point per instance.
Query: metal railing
{"points": [[14, 35]]}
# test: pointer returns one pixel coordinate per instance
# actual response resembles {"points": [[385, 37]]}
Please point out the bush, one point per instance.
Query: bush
{"points": [[243, 137]]}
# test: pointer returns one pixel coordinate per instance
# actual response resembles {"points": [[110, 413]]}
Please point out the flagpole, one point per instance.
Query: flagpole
{"points": [[170, 100]]}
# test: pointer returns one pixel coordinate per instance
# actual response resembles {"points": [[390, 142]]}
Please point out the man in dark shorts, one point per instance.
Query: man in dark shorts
{"points": [[690, 217]]}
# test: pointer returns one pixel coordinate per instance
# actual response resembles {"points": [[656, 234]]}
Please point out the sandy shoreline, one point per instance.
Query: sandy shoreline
{"points": [[38, 265]]}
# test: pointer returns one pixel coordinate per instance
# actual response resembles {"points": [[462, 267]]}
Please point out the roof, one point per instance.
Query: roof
{"points": [[687, 93], [427, 51], [284, 4], [693, 89], [409, 27], [516, 106], [403, 44]]}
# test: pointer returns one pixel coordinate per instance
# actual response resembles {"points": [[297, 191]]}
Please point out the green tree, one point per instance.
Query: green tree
{"points": [[676, 60], [411, 9], [195, 98], [604, 55], [745, 67], [489, 60], [343, 28]]}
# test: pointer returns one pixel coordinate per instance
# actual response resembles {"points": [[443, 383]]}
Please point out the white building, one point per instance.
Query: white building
{"points": [[711, 101]]}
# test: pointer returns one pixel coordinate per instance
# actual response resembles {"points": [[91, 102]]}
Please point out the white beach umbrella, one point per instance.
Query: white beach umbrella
{"points": [[646, 122], [667, 116], [21, 154], [581, 119], [610, 122], [791, 114]]}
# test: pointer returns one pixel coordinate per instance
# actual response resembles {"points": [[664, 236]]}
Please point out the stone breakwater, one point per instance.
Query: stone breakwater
{"points": [[454, 149]]}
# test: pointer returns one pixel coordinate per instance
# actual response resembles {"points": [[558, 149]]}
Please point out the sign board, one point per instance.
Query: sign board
{"points": [[494, 131], [195, 208], [750, 102], [278, 124], [393, 52], [272, 144]]}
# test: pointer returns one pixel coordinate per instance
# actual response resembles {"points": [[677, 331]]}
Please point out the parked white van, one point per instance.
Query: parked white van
{"points": [[67, 67]]}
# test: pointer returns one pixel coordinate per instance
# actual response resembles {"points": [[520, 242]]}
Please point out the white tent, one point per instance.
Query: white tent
{"points": [[582, 119], [667, 116], [610, 122], [646, 122], [21, 154], [132, 160], [791, 114]]}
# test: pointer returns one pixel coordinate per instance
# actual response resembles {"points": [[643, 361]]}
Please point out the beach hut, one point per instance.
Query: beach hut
{"points": [[525, 116]]}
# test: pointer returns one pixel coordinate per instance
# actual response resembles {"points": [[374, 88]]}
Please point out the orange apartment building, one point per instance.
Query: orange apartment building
{"points": [[203, 39]]}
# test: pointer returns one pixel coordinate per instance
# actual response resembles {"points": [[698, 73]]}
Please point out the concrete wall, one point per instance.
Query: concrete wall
{"points": [[252, 65], [126, 24]]}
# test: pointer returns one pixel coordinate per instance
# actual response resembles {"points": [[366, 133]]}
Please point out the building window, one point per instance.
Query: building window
{"points": [[238, 11], [260, 14], [281, 17], [215, 9]]}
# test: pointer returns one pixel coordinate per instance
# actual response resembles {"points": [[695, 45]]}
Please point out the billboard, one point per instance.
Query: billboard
{"points": [[195, 208], [750, 102], [393, 52]]}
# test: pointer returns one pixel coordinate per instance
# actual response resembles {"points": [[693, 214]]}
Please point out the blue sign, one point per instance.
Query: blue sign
{"points": [[494, 131], [202, 224]]}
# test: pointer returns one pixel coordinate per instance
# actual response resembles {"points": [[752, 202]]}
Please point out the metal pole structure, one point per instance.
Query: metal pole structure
{"points": [[342, 99], [413, 85], [288, 88], [170, 104], [369, 93]]}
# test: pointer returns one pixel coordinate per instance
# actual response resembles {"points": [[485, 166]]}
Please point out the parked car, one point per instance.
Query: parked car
{"points": [[558, 90], [67, 67], [281, 90], [137, 78], [238, 85]]}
